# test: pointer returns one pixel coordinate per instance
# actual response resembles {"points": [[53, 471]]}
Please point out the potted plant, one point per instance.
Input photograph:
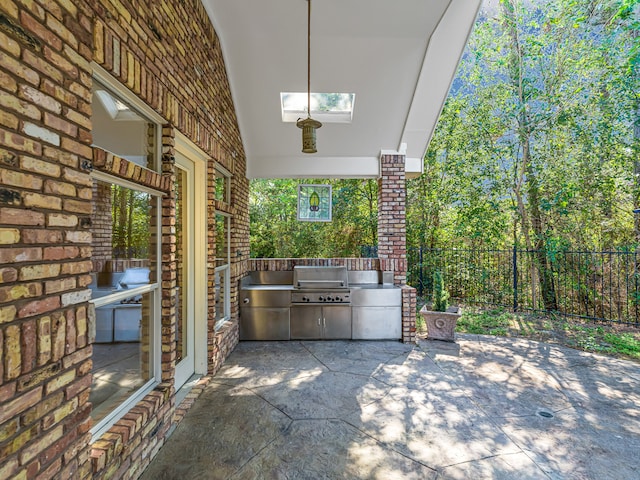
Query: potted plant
{"points": [[440, 317]]}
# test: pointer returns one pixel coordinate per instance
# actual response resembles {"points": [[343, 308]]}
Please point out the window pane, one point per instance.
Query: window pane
{"points": [[325, 107], [123, 237], [123, 222], [221, 294], [121, 362], [222, 187], [121, 130], [222, 245]]}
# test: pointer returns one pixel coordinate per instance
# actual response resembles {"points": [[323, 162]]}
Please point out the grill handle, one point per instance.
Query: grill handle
{"points": [[334, 282]]}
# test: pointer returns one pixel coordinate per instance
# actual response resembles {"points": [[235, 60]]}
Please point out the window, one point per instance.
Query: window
{"points": [[222, 270], [125, 290], [182, 262], [122, 130], [125, 294], [314, 203], [223, 186], [325, 107]]}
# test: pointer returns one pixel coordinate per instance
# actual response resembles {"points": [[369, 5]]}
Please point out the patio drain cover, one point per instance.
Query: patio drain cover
{"points": [[545, 414]]}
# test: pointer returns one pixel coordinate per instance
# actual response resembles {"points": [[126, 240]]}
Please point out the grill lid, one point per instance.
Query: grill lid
{"points": [[320, 277], [134, 277]]}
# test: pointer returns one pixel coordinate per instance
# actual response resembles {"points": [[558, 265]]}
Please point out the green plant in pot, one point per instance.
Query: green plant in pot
{"points": [[440, 294], [439, 317]]}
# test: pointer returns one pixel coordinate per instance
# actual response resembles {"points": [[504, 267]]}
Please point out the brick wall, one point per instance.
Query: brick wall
{"points": [[221, 342], [168, 55], [392, 229], [285, 264], [45, 210], [408, 314], [392, 235]]}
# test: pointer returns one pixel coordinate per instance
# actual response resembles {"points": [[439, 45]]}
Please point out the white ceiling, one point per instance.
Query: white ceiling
{"points": [[398, 56]]}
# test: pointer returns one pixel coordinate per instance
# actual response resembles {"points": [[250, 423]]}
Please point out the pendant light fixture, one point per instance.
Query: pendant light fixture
{"points": [[308, 125]]}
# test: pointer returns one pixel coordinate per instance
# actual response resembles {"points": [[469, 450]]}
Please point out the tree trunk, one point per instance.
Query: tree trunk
{"points": [[527, 170], [636, 162], [546, 275]]}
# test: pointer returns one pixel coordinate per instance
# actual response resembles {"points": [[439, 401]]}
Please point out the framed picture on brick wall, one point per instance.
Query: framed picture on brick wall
{"points": [[314, 203]]}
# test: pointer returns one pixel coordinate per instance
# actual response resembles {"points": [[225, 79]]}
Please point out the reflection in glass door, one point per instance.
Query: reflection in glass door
{"points": [[184, 338]]}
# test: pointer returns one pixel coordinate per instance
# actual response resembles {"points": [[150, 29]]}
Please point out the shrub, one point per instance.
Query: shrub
{"points": [[440, 293]]}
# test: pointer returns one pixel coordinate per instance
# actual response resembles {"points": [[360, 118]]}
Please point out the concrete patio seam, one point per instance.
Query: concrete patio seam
{"points": [[271, 404], [389, 446], [303, 345], [265, 446]]}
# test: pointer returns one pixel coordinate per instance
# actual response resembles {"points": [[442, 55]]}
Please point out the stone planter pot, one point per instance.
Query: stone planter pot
{"points": [[441, 325]]}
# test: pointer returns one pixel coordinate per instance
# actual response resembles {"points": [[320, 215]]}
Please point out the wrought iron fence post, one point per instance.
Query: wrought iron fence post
{"points": [[421, 284], [515, 278]]}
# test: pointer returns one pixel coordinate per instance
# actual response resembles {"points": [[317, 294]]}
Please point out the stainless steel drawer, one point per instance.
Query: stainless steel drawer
{"points": [[264, 323], [265, 297], [376, 297]]}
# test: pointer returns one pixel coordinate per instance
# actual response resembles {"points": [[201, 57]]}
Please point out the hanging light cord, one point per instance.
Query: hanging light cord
{"points": [[309, 60]]}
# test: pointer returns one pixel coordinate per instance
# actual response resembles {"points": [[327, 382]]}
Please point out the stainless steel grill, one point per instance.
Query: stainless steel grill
{"points": [[320, 277], [314, 285]]}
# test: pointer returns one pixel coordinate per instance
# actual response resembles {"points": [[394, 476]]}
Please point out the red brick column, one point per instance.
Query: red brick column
{"points": [[408, 314], [168, 275], [392, 229], [392, 235]]}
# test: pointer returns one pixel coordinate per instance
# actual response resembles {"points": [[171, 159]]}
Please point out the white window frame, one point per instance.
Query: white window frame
{"points": [[154, 290], [222, 172], [225, 272], [101, 76]]}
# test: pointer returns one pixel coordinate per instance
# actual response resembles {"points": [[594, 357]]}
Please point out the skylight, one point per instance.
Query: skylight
{"points": [[325, 107], [115, 107]]}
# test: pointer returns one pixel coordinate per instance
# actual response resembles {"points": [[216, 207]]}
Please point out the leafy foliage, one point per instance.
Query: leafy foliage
{"points": [[535, 146], [488, 322], [130, 222], [440, 293], [600, 338], [276, 233], [536, 137]]}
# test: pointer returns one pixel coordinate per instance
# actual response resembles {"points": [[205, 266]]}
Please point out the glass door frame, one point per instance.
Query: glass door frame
{"points": [[192, 160]]}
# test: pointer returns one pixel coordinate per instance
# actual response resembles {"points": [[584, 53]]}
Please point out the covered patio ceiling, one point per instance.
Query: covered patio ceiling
{"points": [[398, 57]]}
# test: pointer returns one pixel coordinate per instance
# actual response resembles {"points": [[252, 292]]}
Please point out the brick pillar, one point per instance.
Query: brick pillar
{"points": [[392, 235], [392, 229], [168, 274]]}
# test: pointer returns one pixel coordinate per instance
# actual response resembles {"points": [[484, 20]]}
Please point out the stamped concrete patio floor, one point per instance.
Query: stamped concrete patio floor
{"points": [[484, 407]]}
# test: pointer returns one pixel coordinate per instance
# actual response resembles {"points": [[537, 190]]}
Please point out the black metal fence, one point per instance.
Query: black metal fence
{"points": [[592, 285]]}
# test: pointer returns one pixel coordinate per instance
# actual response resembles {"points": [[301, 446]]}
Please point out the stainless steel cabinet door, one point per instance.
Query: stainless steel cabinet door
{"points": [[336, 322], [306, 322], [264, 323]]}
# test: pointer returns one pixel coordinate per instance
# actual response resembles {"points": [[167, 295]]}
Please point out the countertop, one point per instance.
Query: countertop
{"points": [[367, 286]]}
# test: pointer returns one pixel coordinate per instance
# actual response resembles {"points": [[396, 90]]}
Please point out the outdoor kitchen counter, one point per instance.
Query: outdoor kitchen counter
{"points": [[374, 286], [271, 308], [370, 286], [267, 287]]}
